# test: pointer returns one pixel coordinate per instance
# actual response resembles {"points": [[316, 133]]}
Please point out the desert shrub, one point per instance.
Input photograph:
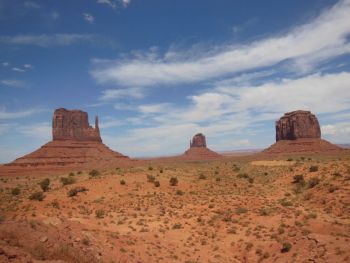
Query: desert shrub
{"points": [[161, 171], [100, 213], [337, 174], [44, 184], [313, 168], [177, 226], [39, 196], [55, 204], [243, 175], [74, 191], [333, 188], [290, 159], [286, 247], [173, 181], [241, 210], [150, 168], [79, 172], [216, 172], [156, 183], [67, 180], [71, 174], [251, 180], [202, 177], [150, 178], [94, 173], [299, 178], [285, 202], [16, 191], [313, 182], [179, 192], [122, 182], [218, 179]]}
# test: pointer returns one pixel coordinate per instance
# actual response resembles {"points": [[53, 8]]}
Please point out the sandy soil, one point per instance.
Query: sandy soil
{"points": [[288, 209]]}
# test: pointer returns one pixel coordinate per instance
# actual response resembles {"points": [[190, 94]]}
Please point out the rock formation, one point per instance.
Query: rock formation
{"points": [[198, 149], [74, 125], [75, 145], [198, 141], [299, 132], [297, 124]]}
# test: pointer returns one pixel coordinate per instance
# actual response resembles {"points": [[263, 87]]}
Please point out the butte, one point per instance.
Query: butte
{"points": [[75, 145], [299, 132], [198, 149]]}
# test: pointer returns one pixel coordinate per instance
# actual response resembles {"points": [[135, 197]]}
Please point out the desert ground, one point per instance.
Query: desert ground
{"points": [[238, 209]]}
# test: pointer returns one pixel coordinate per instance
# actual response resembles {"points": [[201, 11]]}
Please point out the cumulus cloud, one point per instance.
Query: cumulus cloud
{"points": [[323, 38], [112, 94]]}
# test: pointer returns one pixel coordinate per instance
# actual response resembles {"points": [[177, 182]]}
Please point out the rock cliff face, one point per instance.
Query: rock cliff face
{"points": [[74, 125], [75, 145], [296, 125], [299, 132], [198, 141]]}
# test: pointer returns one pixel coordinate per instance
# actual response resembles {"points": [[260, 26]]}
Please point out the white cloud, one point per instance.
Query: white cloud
{"points": [[89, 18], [112, 94], [40, 130], [55, 15], [323, 38], [48, 40], [18, 69], [114, 3], [28, 66], [5, 64], [5, 115], [337, 132], [13, 83], [32, 4]]}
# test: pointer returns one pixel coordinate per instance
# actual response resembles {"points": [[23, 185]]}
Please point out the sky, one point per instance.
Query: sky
{"points": [[156, 72]]}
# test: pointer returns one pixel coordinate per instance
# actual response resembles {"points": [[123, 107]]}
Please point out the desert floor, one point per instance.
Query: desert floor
{"points": [[286, 209]]}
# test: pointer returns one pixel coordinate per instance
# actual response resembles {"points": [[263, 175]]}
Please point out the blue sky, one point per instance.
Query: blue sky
{"points": [[158, 71]]}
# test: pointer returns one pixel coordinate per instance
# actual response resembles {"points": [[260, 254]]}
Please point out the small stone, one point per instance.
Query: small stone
{"points": [[44, 239]]}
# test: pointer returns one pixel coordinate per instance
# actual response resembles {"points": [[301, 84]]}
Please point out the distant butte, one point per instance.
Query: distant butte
{"points": [[75, 145], [198, 149], [299, 132]]}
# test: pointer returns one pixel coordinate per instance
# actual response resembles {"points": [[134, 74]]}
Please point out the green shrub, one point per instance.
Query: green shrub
{"points": [[150, 178], [100, 213], [313, 168], [202, 177], [71, 174], [16, 191], [241, 210], [74, 191], [286, 247], [299, 179], [156, 183], [67, 180], [44, 184], [177, 226], [94, 173], [122, 182], [313, 182], [173, 181], [150, 168], [39, 196], [179, 192]]}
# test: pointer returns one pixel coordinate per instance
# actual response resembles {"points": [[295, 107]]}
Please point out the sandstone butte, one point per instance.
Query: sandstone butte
{"points": [[75, 145], [299, 132], [198, 149]]}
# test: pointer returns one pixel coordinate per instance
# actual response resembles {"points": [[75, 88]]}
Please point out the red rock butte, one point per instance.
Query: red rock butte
{"points": [[299, 132], [198, 149], [75, 145]]}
